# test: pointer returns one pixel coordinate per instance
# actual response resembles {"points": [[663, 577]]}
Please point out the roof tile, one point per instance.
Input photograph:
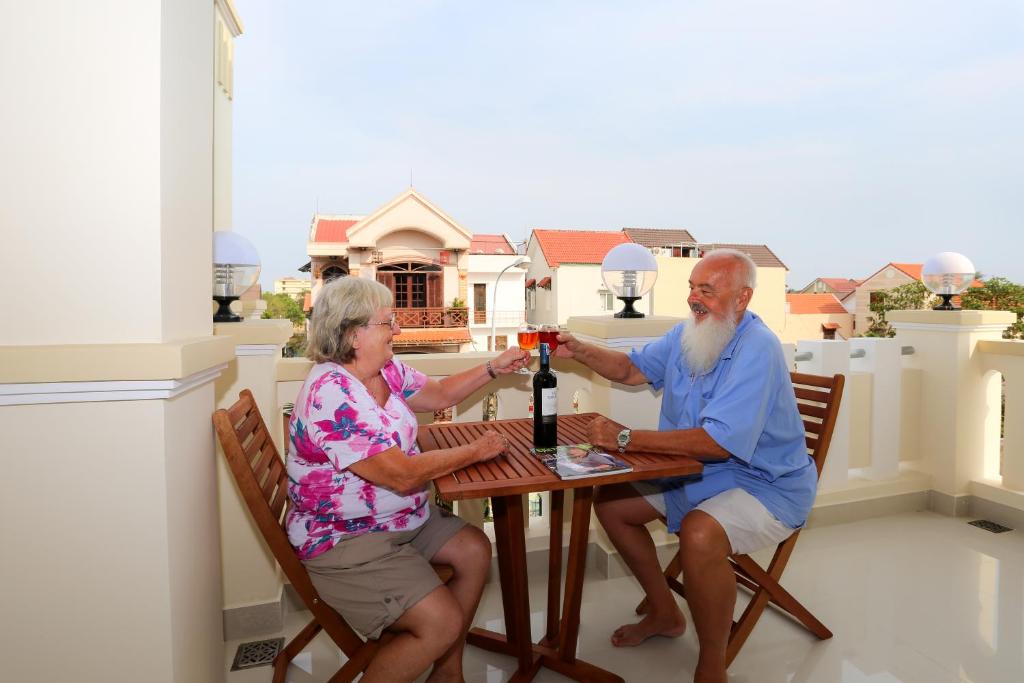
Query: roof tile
{"points": [[759, 253], [491, 245], [577, 246], [660, 237], [800, 304]]}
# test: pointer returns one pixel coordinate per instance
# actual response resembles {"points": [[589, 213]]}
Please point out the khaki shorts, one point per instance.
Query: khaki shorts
{"points": [[747, 522], [373, 579]]}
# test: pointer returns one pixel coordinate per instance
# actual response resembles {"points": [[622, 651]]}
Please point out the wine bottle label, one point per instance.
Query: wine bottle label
{"points": [[549, 401]]}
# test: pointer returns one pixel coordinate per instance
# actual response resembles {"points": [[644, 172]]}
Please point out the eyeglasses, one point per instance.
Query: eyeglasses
{"points": [[390, 322]]}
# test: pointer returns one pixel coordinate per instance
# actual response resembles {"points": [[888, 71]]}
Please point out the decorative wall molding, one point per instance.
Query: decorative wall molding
{"points": [[965, 329], [91, 392], [257, 350]]}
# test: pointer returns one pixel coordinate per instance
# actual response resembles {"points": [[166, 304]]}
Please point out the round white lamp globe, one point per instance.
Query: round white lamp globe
{"points": [[629, 271], [236, 265], [947, 274]]}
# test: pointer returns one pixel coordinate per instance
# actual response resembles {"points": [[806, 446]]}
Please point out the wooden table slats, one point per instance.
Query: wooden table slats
{"points": [[520, 472], [504, 479]]}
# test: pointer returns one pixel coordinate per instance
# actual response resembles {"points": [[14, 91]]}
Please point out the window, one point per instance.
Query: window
{"points": [[607, 300], [479, 303], [500, 342], [415, 285], [332, 273], [875, 298], [531, 299]]}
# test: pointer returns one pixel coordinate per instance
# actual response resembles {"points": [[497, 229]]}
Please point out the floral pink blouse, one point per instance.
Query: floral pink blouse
{"points": [[336, 422]]}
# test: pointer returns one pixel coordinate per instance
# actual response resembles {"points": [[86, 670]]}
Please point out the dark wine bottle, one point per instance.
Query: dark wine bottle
{"points": [[545, 403]]}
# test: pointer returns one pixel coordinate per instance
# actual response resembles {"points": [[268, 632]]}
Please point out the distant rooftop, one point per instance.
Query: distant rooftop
{"points": [[332, 228], [491, 245], [814, 303], [661, 237], [760, 253], [577, 246]]}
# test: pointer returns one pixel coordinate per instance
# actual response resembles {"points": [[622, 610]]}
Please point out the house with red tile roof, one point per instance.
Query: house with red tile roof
{"points": [[565, 266], [889, 276], [443, 277], [840, 286], [816, 316], [564, 279]]}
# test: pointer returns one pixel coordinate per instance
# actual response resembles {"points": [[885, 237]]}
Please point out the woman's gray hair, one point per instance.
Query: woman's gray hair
{"points": [[342, 306], [748, 269]]}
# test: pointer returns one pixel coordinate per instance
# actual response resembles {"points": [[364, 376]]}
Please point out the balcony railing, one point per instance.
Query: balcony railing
{"points": [[432, 317], [501, 318]]}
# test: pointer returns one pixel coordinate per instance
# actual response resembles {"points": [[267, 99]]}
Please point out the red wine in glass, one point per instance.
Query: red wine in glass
{"points": [[549, 337]]}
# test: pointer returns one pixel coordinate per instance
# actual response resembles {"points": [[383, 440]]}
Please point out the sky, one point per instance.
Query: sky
{"points": [[842, 134]]}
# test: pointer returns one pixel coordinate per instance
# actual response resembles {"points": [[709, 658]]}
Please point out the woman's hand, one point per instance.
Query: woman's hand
{"points": [[489, 446], [604, 433], [510, 361]]}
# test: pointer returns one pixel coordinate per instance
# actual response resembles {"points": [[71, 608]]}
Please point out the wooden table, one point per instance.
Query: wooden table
{"points": [[503, 480]]}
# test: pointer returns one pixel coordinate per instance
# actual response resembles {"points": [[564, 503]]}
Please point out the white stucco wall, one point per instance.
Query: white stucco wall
{"points": [[106, 170]]}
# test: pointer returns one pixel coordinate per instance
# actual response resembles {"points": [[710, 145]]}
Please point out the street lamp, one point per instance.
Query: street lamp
{"points": [[521, 262]]}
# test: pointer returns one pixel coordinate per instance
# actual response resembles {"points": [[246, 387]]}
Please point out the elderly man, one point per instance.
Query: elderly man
{"points": [[728, 401]]}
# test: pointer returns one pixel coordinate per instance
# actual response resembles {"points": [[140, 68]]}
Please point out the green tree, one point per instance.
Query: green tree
{"points": [[284, 307], [998, 294], [912, 296]]}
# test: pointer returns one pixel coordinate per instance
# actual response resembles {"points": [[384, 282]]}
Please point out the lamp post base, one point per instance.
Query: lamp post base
{"points": [[224, 314], [628, 311], [946, 304]]}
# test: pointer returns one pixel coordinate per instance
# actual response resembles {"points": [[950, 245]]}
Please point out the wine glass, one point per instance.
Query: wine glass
{"points": [[529, 337], [548, 334]]}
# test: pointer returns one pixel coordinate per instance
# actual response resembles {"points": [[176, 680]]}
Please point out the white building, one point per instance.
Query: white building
{"points": [[292, 286], [564, 277]]}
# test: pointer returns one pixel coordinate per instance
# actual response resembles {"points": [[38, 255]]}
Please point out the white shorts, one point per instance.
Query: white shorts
{"points": [[747, 522]]}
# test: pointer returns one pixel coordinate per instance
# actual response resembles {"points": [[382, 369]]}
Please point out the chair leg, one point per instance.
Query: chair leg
{"points": [[742, 627], [780, 597], [297, 645], [357, 663]]}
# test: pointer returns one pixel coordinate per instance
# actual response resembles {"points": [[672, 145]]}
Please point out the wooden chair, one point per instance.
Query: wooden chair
{"points": [[818, 400], [263, 483]]}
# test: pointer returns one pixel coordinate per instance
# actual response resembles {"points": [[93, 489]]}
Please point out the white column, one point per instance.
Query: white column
{"points": [[954, 390], [882, 360], [830, 358]]}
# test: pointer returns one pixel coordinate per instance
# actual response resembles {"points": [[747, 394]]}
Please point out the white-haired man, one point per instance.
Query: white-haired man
{"points": [[729, 402]]}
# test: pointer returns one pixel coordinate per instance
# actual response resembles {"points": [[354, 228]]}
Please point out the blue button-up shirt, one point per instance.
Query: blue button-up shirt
{"points": [[747, 405]]}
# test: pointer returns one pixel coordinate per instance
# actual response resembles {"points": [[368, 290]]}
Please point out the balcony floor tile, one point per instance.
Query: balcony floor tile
{"points": [[911, 598]]}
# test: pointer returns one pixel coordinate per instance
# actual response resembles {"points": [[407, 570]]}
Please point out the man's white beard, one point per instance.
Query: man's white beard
{"points": [[704, 342]]}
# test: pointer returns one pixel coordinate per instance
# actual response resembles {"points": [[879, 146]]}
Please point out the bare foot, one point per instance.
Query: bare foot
{"points": [[671, 626]]}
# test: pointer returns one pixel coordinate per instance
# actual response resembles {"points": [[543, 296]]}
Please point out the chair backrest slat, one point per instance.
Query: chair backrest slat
{"points": [[267, 495], [819, 407]]}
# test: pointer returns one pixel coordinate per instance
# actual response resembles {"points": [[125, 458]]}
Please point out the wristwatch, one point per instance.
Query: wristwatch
{"points": [[623, 439]]}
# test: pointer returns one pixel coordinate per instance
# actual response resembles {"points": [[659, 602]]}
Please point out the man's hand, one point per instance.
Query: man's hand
{"points": [[568, 346], [604, 433]]}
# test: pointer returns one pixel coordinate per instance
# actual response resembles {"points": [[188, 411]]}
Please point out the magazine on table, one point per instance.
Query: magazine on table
{"points": [[579, 460]]}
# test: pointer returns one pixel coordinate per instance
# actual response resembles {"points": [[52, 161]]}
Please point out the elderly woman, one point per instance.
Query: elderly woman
{"points": [[362, 521]]}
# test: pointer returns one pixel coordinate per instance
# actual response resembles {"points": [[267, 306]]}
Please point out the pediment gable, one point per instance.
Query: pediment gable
{"points": [[409, 211]]}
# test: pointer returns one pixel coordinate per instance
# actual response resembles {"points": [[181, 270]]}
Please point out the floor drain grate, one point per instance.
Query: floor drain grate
{"points": [[990, 526], [258, 653]]}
